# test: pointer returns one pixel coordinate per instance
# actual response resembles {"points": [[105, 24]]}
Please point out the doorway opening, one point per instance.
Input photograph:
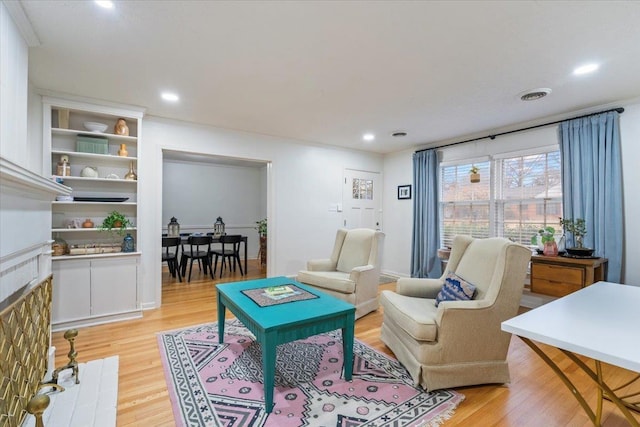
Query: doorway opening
{"points": [[199, 190]]}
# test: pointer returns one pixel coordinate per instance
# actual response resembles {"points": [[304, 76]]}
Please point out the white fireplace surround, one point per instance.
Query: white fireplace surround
{"points": [[25, 249]]}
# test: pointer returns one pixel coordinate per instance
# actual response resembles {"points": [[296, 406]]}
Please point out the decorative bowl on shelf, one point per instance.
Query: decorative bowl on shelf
{"points": [[95, 126], [580, 251], [89, 172]]}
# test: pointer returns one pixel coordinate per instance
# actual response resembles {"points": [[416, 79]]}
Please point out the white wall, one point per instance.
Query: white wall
{"points": [[196, 193], [398, 166], [25, 197], [303, 181], [14, 63], [398, 214], [630, 136]]}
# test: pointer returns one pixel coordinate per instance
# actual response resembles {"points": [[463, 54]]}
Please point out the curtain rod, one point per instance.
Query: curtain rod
{"points": [[619, 110]]}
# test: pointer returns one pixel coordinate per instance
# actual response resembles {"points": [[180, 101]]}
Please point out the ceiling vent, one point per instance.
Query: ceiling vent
{"points": [[532, 95], [398, 134]]}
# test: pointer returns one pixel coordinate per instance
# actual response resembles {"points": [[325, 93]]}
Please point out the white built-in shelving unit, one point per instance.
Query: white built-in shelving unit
{"points": [[93, 288]]}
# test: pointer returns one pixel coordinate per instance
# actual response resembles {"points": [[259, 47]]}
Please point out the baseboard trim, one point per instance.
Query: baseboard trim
{"points": [[98, 320], [533, 300]]}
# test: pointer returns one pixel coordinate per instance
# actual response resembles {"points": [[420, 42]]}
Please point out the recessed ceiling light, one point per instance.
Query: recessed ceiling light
{"points": [[585, 69], [398, 134], [169, 96], [107, 4], [368, 137], [533, 94]]}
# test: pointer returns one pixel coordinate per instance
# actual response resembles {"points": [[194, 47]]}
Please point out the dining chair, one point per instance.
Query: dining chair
{"points": [[230, 250], [198, 248], [170, 246]]}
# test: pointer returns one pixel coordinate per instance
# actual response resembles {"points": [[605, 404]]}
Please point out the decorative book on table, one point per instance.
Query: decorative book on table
{"points": [[280, 292], [274, 295]]}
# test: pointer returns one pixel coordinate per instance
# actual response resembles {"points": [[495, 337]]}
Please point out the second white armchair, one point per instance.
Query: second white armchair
{"points": [[352, 273]]}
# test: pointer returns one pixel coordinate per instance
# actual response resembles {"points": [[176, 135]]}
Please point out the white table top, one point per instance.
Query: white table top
{"points": [[601, 321]]}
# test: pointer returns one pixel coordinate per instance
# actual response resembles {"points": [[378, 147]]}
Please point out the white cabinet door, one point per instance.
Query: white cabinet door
{"points": [[113, 285], [71, 290]]}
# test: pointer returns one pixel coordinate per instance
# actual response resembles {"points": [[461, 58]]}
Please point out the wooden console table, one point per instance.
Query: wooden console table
{"points": [[559, 276]]}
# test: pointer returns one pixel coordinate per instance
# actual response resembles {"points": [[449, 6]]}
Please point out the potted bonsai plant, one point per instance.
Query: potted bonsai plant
{"points": [[578, 228], [474, 174], [115, 222], [262, 232]]}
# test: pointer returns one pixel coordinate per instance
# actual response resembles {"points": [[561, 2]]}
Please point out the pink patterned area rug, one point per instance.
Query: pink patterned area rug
{"points": [[213, 384]]}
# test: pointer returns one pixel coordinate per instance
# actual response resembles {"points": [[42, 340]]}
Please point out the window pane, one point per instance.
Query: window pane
{"points": [[469, 219], [362, 189], [464, 205]]}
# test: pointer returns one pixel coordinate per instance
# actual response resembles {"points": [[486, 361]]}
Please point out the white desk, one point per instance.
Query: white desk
{"points": [[601, 322]]}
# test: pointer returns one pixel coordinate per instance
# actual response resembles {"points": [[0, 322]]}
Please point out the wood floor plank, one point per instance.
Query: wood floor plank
{"points": [[535, 397]]}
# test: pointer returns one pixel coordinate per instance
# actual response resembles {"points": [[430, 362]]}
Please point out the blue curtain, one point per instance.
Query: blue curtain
{"points": [[426, 235], [592, 183]]}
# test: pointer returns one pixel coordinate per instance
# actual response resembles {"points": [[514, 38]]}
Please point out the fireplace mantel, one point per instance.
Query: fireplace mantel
{"points": [[19, 178], [26, 245]]}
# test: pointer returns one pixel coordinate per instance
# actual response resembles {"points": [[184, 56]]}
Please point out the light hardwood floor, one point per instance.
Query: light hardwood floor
{"points": [[535, 397]]}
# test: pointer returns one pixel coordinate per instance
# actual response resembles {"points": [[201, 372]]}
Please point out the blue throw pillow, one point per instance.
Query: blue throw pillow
{"points": [[455, 289]]}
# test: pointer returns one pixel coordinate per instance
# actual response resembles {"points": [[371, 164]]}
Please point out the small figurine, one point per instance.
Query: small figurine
{"points": [[121, 128]]}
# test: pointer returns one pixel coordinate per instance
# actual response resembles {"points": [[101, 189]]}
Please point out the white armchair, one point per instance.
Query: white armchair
{"points": [[458, 343], [352, 273]]}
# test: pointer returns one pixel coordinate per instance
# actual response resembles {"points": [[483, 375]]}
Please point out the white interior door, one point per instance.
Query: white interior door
{"points": [[362, 199]]}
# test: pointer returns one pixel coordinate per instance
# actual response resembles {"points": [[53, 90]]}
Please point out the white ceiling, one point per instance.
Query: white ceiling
{"points": [[328, 71]]}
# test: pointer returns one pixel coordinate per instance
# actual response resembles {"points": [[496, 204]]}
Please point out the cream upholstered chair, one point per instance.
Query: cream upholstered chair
{"points": [[353, 271], [458, 343]]}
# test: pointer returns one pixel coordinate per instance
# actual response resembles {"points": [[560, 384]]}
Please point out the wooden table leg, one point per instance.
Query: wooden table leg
{"points": [[268, 344], [347, 346], [221, 315]]}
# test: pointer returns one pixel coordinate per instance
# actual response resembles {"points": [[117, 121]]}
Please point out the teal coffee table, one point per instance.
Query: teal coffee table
{"points": [[286, 321]]}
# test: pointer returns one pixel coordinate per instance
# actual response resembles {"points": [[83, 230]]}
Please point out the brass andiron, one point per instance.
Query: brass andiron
{"points": [[70, 336], [36, 406], [40, 402]]}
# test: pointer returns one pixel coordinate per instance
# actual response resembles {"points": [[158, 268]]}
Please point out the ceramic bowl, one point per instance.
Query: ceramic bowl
{"points": [[95, 126], [580, 251], [89, 172]]}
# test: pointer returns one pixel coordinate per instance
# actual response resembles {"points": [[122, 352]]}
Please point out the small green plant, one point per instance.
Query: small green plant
{"points": [[546, 235], [262, 227], [116, 222], [577, 227], [474, 169]]}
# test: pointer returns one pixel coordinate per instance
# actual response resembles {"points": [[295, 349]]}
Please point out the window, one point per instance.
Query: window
{"points": [[528, 195], [362, 189], [516, 196], [464, 205]]}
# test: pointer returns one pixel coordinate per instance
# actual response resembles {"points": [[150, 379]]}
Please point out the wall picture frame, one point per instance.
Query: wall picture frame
{"points": [[404, 192]]}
